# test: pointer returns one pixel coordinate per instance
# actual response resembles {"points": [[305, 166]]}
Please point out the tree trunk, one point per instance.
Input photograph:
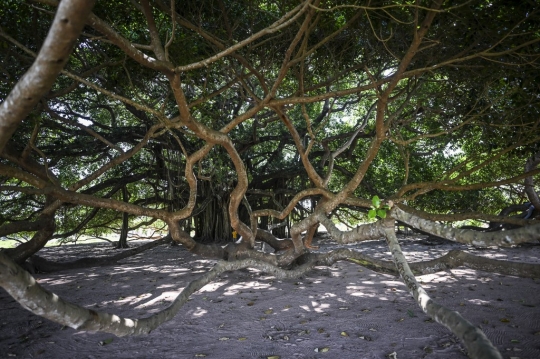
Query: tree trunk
{"points": [[213, 223], [122, 241], [531, 164]]}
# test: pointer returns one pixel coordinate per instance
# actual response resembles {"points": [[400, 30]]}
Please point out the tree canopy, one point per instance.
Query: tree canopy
{"points": [[267, 119]]}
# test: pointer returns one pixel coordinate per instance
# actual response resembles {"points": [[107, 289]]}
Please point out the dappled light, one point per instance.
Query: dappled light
{"points": [[269, 179], [342, 298]]}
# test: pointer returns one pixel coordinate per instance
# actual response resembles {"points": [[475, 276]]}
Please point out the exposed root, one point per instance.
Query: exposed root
{"points": [[40, 264]]}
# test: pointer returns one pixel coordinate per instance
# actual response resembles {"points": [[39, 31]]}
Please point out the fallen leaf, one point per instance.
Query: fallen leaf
{"points": [[344, 334], [505, 320], [392, 355], [251, 303], [268, 311], [224, 338], [372, 329], [322, 350], [273, 357], [106, 341], [242, 339], [200, 355]]}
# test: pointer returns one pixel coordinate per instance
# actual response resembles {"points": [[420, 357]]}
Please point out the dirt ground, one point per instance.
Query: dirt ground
{"points": [[343, 311]]}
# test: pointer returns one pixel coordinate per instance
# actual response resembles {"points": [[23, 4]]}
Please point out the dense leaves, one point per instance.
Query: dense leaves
{"points": [[264, 99]]}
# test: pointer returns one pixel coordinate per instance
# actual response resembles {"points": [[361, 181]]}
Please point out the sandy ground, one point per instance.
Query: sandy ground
{"points": [[343, 311]]}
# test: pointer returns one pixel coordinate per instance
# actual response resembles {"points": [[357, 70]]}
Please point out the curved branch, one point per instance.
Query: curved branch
{"points": [[363, 232], [283, 22], [53, 55], [25, 290]]}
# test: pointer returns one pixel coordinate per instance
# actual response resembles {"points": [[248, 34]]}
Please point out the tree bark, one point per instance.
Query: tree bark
{"points": [[528, 234], [476, 342], [68, 22], [122, 241], [25, 290], [25, 250], [531, 164]]}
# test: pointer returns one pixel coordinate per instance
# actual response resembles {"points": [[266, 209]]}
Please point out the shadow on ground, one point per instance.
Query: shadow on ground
{"points": [[342, 311]]}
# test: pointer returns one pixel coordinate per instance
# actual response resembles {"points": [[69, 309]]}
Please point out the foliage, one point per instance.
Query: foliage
{"points": [[340, 98]]}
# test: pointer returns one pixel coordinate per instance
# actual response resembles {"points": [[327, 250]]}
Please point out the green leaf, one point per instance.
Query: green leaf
{"points": [[381, 213], [376, 201], [106, 341], [372, 214]]}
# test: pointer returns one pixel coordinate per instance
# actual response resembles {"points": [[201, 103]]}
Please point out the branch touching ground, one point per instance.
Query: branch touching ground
{"points": [[452, 259], [44, 265], [508, 238], [476, 342], [457, 258], [25, 290]]}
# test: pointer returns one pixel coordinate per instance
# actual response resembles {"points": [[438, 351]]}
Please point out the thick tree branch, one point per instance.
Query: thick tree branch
{"points": [[53, 55], [476, 342], [528, 234]]}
